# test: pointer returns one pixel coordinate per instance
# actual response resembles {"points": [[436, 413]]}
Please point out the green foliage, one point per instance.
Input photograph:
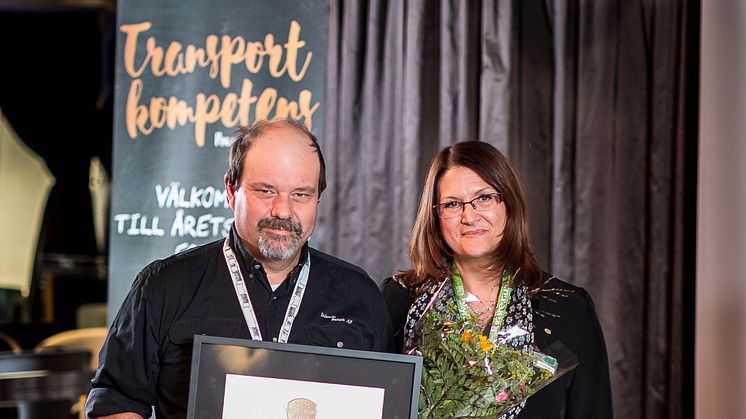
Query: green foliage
{"points": [[465, 376]]}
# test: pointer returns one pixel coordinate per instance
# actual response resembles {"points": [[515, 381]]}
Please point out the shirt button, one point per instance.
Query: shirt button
{"points": [[274, 339], [274, 297], [340, 344]]}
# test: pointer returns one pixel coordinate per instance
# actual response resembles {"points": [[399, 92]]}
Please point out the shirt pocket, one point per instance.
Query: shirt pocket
{"points": [[181, 336], [333, 335], [183, 331]]}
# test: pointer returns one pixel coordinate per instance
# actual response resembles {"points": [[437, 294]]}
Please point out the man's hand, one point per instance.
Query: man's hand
{"points": [[126, 415]]}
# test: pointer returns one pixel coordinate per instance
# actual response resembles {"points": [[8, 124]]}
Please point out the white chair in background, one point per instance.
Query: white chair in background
{"points": [[90, 339]]}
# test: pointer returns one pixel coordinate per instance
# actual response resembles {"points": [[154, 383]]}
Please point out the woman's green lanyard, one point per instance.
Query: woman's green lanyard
{"points": [[501, 307]]}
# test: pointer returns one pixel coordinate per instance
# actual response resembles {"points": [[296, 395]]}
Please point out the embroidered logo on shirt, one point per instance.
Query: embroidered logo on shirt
{"points": [[334, 318]]}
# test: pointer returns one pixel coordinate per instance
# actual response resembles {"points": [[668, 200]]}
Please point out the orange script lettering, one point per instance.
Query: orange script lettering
{"points": [[218, 55], [230, 110]]}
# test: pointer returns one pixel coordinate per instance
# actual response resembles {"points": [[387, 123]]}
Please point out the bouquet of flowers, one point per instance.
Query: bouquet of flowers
{"points": [[467, 376]]}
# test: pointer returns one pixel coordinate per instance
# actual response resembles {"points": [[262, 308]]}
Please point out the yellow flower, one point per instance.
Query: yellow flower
{"points": [[467, 337], [485, 344]]}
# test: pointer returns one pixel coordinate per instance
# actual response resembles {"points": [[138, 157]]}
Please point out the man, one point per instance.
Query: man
{"points": [[275, 177]]}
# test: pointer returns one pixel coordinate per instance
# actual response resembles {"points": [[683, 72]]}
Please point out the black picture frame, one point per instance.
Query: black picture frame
{"points": [[214, 358]]}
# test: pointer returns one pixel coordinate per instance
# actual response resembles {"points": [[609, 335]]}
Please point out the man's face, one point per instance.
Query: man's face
{"points": [[276, 201]]}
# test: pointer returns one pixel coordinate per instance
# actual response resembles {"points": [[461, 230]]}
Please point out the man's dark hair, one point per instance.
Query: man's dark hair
{"points": [[245, 137]]}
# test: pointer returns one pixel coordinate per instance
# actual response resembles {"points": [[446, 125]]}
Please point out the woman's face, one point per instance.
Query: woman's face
{"points": [[473, 235]]}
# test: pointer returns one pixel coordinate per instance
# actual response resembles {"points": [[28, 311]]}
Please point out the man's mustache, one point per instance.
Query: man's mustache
{"points": [[280, 224]]}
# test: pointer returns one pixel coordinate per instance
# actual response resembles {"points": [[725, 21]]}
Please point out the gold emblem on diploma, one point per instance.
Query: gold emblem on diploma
{"points": [[301, 409]]}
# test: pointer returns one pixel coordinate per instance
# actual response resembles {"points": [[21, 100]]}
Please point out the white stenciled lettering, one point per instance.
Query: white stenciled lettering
{"points": [[199, 227], [161, 194], [183, 203], [222, 140], [120, 219], [208, 197], [202, 228], [182, 225], [137, 225], [194, 197], [220, 199], [174, 195]]}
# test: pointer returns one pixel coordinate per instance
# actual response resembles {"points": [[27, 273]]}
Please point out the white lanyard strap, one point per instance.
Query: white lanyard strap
{"points": [[243, 296]]}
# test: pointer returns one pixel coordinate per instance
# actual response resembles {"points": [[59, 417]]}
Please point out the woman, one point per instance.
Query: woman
{"points": [[470, 238]]}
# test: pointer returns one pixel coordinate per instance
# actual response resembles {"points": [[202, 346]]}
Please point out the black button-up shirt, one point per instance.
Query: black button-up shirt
{"points": [[146, 359]]}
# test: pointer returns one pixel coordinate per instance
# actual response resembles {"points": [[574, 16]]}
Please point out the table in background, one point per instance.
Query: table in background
{"points": [[46, 385]]}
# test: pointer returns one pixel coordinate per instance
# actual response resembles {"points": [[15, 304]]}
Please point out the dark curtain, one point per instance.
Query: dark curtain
{"points": [[595, 105]]}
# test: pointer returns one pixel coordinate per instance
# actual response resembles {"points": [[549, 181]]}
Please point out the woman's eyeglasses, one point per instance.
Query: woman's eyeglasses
{"points": [[484, 202]]}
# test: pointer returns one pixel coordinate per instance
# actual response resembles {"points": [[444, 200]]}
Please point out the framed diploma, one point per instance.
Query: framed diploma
{"points": [[247, 379]]}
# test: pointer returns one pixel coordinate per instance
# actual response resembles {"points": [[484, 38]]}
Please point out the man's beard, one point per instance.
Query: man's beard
{"points": [[278, 247]]}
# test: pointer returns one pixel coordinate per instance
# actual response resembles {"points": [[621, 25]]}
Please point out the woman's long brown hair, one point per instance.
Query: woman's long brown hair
{"points": [[430, 255]]}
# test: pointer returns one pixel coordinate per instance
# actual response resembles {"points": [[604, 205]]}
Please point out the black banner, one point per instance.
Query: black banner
{"points": [[188, 74]]}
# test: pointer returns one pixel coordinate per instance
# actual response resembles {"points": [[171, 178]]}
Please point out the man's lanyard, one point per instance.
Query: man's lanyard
{"points": [[501, 306], [243, 296]]}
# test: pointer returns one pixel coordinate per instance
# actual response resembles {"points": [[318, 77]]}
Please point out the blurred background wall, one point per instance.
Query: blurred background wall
{"points": [[721, 225]]}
